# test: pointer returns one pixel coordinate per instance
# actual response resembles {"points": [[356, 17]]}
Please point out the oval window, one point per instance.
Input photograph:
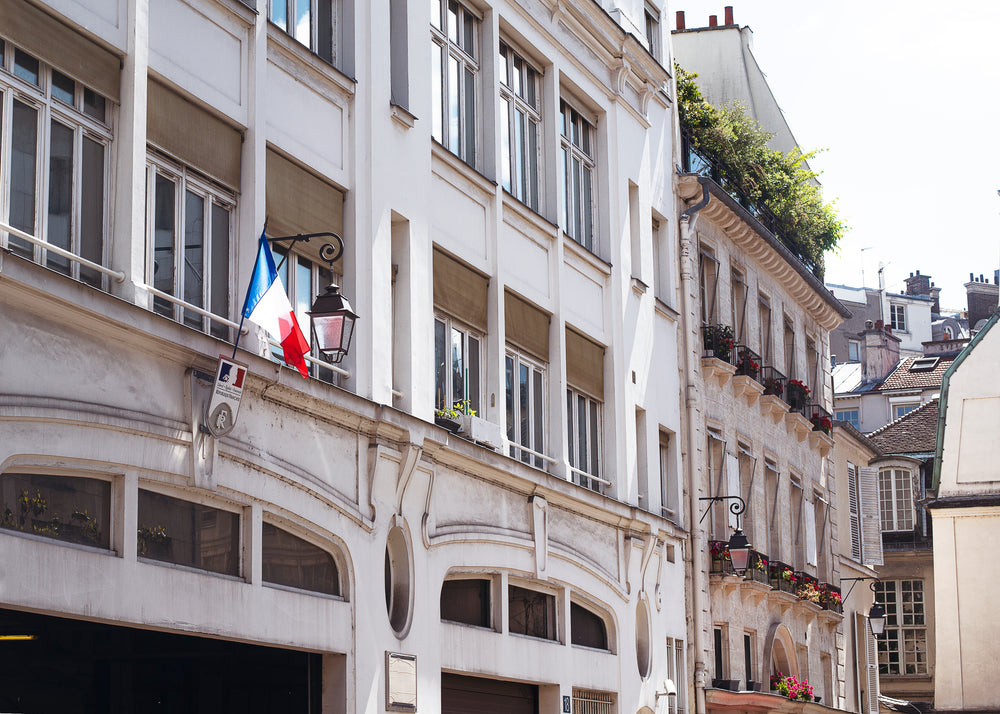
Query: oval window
{"points": [[397, 580]]}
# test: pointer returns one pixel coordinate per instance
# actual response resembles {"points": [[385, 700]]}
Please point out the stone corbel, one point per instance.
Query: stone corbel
{"points": [[621, 75], [539, 509]]}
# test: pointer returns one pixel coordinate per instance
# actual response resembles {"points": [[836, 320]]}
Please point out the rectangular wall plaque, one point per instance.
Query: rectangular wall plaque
{"points": [[400, 682]]}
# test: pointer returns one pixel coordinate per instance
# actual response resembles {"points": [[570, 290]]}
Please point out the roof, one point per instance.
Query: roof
{"points": [[857, 435], [912, 433], [846, 377], [904, 376]]}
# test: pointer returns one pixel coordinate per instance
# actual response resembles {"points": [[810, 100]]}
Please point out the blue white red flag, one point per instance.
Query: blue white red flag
{"points": [[267, 305]]}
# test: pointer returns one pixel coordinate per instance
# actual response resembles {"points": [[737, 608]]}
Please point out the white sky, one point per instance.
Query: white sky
{"points": [[905, 98]]}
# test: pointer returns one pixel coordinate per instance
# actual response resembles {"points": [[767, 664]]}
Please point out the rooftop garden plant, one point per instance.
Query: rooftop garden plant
{"points": [[782, 183]]}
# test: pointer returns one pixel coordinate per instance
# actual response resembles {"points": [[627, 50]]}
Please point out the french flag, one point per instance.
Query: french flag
{"points": [[267, 305]]}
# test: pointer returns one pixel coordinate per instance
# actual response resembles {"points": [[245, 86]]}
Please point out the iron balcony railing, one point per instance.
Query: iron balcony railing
{"points": [[821, 419], [773, 381], [717, 341], [748, 363]]}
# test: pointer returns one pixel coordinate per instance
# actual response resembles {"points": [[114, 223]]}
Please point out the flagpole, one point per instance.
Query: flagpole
{"points": [[239, 333]]}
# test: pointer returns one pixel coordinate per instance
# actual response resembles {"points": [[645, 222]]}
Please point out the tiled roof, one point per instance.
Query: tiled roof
{"points": [[903, 378], [913, 433]]}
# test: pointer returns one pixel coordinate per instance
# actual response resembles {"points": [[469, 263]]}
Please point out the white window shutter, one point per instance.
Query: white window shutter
{"points": [[852, 497], [871, 528], [872, 652], [732, 485], [809, 514]]}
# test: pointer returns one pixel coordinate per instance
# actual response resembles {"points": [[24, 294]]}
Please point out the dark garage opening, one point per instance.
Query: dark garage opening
{"points": [[475, 695], [55, 664]]}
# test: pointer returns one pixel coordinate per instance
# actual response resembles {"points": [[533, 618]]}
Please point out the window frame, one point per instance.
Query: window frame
{"points": [[309, 540], [333, 8], [896, 499], [109, 513], [520, 160], [579, 209], [897, 321], [537, 402], [906, 636], [50, 109], [652, 28], [852, 414], [469, 64], [451, 326], [186, 179], [593, 432]]}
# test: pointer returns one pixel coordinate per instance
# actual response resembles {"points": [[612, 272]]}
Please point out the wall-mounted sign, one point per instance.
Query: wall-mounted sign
{"points": [[226, 394], [567, 705], [400, 682]]}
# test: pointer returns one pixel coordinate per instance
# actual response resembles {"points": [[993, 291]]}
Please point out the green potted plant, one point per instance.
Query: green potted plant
{"points": [[719, 341]]}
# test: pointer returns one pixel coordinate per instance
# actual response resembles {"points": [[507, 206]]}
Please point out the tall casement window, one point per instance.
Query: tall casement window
{"points": [[191, 228], [520, 120], [764, 329], [897, 315], [796, 520], [739, 289], [815, 373], [454, 77], [55, 141], [459, 333], [716, 461], [525, 366], [902, 649], [651, 17], [774, 523], [747, 465], [314, 23], [299, 201], [192, 177], [708, 286], [896, 499], [578, 156], [789, 344], [584, 401]]}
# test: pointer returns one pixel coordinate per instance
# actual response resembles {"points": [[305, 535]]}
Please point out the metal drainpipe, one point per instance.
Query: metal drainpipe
{"points": [[692, 399]]}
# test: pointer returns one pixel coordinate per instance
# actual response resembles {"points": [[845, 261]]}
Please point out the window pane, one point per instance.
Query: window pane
{"points": [[60, 225], [437, 92], [538, 399], [457, 366], [185, 533], [94, 105], [509, 398], [518, 177], [586, 628], [71, 509], [441, 366], [303, 31], [531, 613], [454, 133], [595, 441], [508, 150], [194, 256], [436, 13], [297, 563], [472, 365], [466, 601], [581, 430], [468, 34], [531, 166], [163, 242], [92, 209], [26, 67], [586, 209], [525, 410], [63, 88], [220, 268], [571, 430], [23, 155], [279, 13], [453, 21]]}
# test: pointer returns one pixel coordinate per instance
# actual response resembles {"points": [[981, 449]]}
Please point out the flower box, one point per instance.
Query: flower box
{"points": [[783, 578], [481, 431]]}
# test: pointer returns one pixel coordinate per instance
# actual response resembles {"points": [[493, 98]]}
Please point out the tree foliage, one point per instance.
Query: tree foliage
{"points": [[730, 138]]}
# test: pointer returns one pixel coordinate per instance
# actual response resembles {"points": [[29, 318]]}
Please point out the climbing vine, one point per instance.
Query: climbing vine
{"points": [[736, 146]]}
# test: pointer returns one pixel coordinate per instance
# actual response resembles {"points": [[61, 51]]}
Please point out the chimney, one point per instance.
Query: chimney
{"points": [[729, 15], [713, 20], [680, 20], [982, 298], [918, 284], [935, 294], [879, 351]]}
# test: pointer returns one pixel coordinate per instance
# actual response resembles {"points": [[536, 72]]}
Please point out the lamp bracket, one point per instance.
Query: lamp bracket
{"points": [[737, 508], [329, 252], [873, 585]]}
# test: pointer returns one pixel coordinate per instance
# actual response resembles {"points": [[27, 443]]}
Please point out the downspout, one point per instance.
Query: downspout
{"points": [[691, 365]]}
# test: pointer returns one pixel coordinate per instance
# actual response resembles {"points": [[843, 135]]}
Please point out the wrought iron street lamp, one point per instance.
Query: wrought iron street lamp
{"points": [[331, 315], [876, 614], [739, 545]]}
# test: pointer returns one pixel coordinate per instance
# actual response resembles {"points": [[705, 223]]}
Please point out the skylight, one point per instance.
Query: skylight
{"points": [[924, 364]]}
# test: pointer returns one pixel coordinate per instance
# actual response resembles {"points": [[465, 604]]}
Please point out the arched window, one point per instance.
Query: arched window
{"points": [[296, 563], [587, 628]]}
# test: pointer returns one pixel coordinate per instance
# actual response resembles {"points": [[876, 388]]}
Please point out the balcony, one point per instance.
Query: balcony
{"points": [[718, 352], [759, 568], [772, 402], [747, 381], [721, 563], [821, 436], [782, 577], [831, 598]]}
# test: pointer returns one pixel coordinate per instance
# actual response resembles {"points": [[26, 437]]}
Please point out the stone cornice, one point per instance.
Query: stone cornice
{"points": [[760, 244]]}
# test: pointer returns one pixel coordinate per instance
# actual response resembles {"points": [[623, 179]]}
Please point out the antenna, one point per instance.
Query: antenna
{"points": [[863, 262]]}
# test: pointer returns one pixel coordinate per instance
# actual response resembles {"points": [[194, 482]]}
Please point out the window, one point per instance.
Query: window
{"points": [[853, 351], [708, 285], [311, 22], [748, 658], [720, 651], [578, 162], [668, 477], [303, 281], [814, 372], [747, 466], [296, 563], [924, 364], [676, 674], [652, 22], [718, 486], [520, 119], [55, 139], [584, 438], [855, 510], [796, 521], [184, 533], [897, 314], [190, 225], [774, 524], [789, 342], [456, 364], [531, 613], [66, 508], [900, 410], [902, 649], [739, 302], [525, 395], [851, 416], [454, 76], [587, 628], [466, 600], [764, 328], [896, 499], [662, 286]]}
